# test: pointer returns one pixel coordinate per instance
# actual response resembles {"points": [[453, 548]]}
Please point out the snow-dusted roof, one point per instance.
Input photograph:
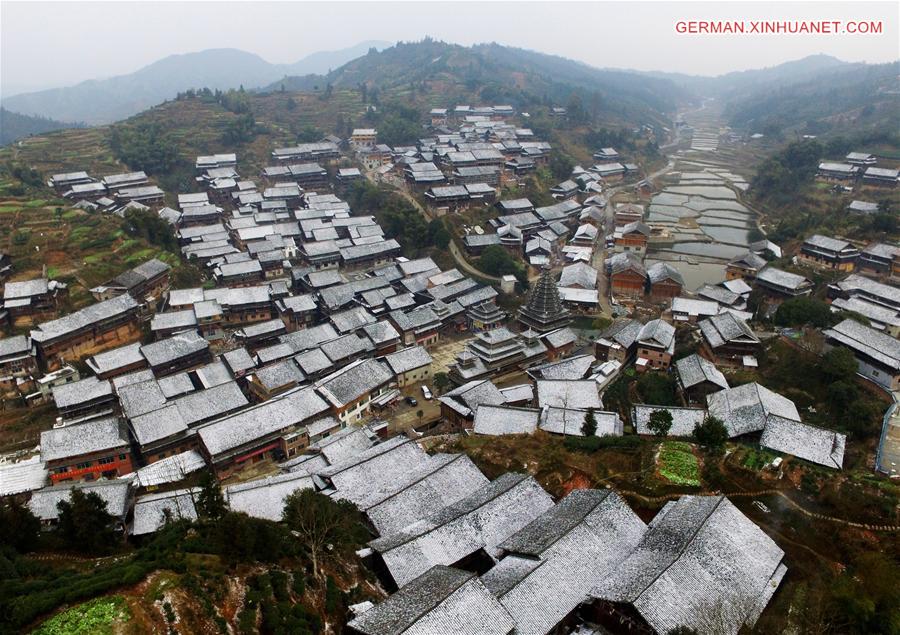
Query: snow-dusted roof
{"points": [[170, 469], [569, 421], [865, 340], [264, 498], [684, 420], [693, 370], [817, 445], [440, 601], [701, 564], [499, 420], [425, 489], [23, 476], [745, 408], [247, 425], [723, 328], [563, 393], [84, 438], [408, 359], [379, 466], [151, 511], [483, 519], [116, 494], [553, 562], [569, 368]]}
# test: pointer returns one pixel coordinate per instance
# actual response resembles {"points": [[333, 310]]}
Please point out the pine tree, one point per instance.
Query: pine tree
{"points": [[589, 427], [85, 523], [210, 502]]}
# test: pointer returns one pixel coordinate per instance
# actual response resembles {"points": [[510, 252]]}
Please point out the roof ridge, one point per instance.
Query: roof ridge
{"points": [[683, 547]]}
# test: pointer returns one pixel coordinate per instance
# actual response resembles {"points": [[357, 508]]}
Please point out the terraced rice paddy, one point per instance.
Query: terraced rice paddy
{"points": [[700, 223]]}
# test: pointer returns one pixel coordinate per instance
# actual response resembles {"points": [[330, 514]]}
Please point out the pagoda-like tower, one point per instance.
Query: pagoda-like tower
{"points": [[544, 311]]}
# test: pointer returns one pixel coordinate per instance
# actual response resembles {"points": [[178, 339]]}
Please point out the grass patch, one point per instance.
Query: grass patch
{"points": [[94, 617], [755, 459], [678, 464]]}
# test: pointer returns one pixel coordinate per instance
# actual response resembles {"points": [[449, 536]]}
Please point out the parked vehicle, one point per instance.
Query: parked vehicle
{"points": [[426, 392], [412, 401]]}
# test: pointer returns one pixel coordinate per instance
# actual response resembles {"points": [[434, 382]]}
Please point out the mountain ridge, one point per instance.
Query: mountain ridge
{"points": [[99, 101]]}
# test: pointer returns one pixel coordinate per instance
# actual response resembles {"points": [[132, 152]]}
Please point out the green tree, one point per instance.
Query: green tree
{"points": [[589, 426], [438, 234], [712, 433], [323, 526], [496, 261], [84, 522], [660, 422], [839, 364], [441, 381], [210, 501], [805, 311], [657, 389], [561, 166], [19, 528], [148, 225]]}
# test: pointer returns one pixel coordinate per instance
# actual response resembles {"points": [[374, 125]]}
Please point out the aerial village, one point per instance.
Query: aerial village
{"points": [[318, 357]]}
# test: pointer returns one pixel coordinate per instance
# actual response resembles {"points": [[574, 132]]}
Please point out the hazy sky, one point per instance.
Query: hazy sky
{"points": [[45, 44]]}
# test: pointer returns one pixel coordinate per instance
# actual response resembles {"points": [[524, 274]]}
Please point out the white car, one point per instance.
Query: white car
{"points": [[426, 392]]}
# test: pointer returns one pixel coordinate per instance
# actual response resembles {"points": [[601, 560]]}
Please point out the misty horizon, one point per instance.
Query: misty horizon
{"points": [[605, 45]]}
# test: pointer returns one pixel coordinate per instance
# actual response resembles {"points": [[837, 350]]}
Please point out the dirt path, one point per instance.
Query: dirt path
{"points": [[766, 492]]}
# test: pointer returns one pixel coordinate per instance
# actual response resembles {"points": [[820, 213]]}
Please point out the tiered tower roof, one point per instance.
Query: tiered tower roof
{"points": [[544, 311]]}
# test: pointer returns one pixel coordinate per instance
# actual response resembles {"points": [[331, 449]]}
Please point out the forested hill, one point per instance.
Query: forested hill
{"points": [[861, 97], [495, 74], [15, 126]]}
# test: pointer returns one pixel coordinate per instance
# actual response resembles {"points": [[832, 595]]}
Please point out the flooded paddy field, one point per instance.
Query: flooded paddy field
{"points": [[700, 223]]}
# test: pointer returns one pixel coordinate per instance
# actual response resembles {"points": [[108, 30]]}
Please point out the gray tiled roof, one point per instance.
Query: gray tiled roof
{"points": [[431, 485], [83, 438], [265, 497], [280, 374], [306, 339], [117, 358], [408, 359], [343, 348], [564, 393], [374, 469], [745, 408], [170, 469], [313, 361], [556, 558], [246, 426], [84, 318], [693, 370], [817, 445], [729, 561], [151, 511], [865, 340], [466, 398], [116, 494], [381, 332], [781, 278], [684, 420], [81, 392], [484, 519], [569, 422], [500, 420], [352, 319], [441, 601], [175, 347], [344, 444], [138, 398], [657, 333], [569, 368]]}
